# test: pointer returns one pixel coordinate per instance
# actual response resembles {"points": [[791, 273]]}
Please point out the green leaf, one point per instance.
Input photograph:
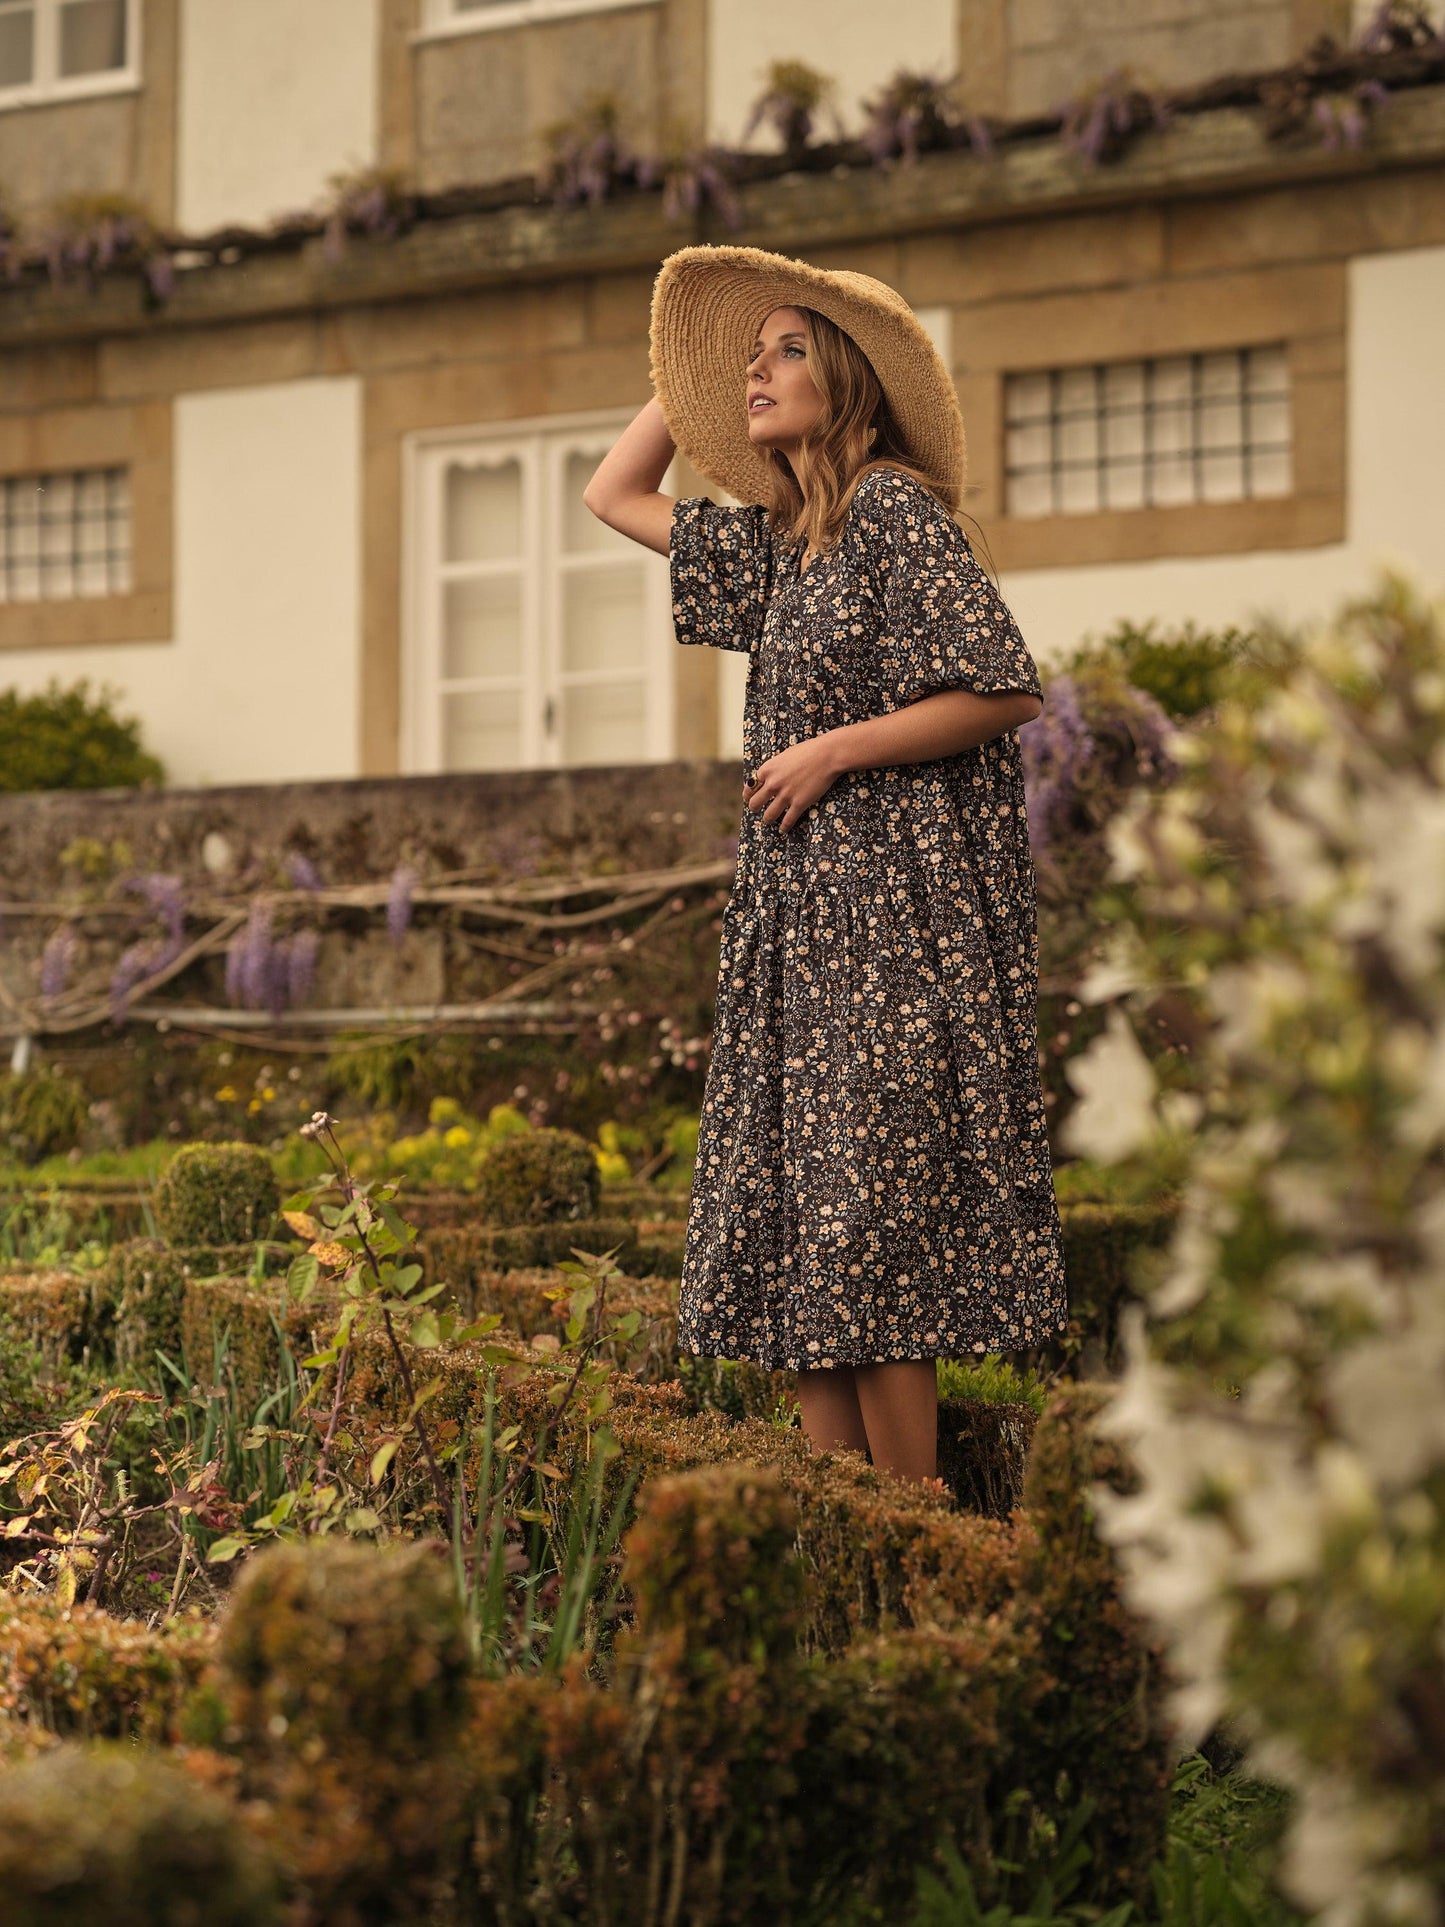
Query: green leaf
{"points": [[404, 1277], [301, 1275], [382, 1457], [395, 1223], [361, 1518], [227, 1548], [425, 1333]]}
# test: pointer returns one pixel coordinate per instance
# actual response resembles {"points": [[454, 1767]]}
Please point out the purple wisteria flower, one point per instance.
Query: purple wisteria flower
{"points": [[302, 871], [301, 954], [398, 902], [55, 962], [1055, 749]]}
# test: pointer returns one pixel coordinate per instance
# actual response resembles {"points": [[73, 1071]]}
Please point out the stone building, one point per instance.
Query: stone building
{"points": [[319, 516]]}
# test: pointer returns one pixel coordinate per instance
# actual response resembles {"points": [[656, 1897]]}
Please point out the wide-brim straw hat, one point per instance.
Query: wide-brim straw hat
{"points": [[708, 305]]}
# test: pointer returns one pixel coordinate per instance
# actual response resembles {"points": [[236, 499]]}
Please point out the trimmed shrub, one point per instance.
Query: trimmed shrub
{"points": [[43, 1112], [342, 1669], [216, 1194], [113, 1837], [210, 1305], [77, 1672], [147, 1280], [459, 1256], [1107, 1248], [538, 1177], [982, 1450], [1101, 1725], [66, 1315]]}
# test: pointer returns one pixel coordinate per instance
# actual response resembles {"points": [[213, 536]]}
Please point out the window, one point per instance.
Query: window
{"points": [[1209, 427], [65, 534], [60, 49], [466, 16], [537, 637]]}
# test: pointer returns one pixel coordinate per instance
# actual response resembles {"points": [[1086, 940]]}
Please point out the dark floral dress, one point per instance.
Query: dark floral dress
{"points": [[873, 1177]]}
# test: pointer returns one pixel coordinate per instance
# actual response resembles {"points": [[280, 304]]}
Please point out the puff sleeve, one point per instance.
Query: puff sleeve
{"points": [[720, 565], [943, 624]]}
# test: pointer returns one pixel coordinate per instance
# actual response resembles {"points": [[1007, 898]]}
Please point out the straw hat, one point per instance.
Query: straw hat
{"points": [[708, 304]]}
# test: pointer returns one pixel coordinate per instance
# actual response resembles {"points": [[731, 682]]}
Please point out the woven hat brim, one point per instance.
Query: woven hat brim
{"points": [[707, 306]]}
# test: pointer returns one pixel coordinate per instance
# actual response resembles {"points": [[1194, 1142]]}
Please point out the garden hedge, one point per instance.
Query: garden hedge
{"points": [[78, 1672], [342, 1672], [120, 1837]]}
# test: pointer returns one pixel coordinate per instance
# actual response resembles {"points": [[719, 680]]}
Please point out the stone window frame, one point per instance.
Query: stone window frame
{"points": [[1302, 306], [441, 19], [137, 438], [541, 443], [52, 90]]}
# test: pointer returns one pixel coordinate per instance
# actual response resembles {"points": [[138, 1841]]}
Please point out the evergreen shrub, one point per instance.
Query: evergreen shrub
{"points": [[538, 1177], [114, 1836], [67, 739], [342, 1669], [66, 1315], [216, 1194], [80, 1673], [42, 1112]]}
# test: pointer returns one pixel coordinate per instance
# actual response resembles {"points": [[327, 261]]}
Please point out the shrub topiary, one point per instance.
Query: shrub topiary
{"points": [[79, 1672], [216, 1194], [112, 1837], [343, 1670], [539, 1177], [41, 1113], [65, 739]]}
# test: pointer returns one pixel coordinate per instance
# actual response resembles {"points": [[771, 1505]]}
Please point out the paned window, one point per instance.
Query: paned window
{"points": [[57, 49], [537, 636], [65, 534], [466, 16], [1211, 427]]}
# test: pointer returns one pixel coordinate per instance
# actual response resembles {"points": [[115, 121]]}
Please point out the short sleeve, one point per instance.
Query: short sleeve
{"points": [[720, 564], [943, 623]]}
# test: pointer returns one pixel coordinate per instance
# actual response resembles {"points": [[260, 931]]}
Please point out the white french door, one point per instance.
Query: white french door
{"points": [[536, 636]]}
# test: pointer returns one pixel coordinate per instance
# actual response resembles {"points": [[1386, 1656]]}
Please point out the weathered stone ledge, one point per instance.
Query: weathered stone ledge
{"points": [[1222, 151]]}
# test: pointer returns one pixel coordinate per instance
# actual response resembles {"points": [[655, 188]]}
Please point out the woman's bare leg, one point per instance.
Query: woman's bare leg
{"points": [[899, 1403], [831, 1414]]}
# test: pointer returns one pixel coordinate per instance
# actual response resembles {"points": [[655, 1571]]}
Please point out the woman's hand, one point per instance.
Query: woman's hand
{"points": [[786, 785]]}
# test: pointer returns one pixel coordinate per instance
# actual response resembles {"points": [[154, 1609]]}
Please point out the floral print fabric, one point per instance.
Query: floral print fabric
{"points": [[873, 1177]]}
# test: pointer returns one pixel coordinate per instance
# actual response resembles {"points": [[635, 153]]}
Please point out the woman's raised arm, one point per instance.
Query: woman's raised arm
{"points": [[623, 491]]}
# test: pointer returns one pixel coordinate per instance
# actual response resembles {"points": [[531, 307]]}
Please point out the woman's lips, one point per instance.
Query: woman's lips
{"points": [[754, 407]]}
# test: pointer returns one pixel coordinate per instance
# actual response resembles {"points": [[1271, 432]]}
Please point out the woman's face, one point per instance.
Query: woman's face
{"points": [[781, 399]]}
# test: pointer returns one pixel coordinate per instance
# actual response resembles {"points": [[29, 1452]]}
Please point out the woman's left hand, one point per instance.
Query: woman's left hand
{"points": [[786, 785]]}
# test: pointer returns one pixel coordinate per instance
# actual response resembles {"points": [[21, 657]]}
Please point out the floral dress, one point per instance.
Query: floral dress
{"points": [[873, 1177]]}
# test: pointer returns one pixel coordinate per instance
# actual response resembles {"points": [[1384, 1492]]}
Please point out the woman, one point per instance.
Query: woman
{"points": [[873, 1188]]}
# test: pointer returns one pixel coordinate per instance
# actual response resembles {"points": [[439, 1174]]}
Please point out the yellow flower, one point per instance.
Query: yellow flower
{"points": [[443, 1110], [225, 1095], [267, 1094], [457, 1138]]}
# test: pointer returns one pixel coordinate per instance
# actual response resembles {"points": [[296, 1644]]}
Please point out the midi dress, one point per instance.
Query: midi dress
{"points": [[873, 1178]]}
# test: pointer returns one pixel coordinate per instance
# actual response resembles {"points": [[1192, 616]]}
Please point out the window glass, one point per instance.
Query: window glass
{"points": [[92, 37], [17, 46]]}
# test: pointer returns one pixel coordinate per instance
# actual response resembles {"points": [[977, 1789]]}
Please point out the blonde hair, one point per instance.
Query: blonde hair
{"points": [[855, 433]]}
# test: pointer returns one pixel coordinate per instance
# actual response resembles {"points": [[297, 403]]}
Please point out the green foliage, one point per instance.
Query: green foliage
{"points": [[65, 739], [77, 1672], [216, 1194], [42, 1112], [115, 1837], [538, 1177], [1282, 1393], [1186, 669], [991, 1379]]}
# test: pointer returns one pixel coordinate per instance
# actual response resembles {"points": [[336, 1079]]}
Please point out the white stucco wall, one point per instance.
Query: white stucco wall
{"points": [[260, 682], [275, 95], [858, 42], [1395, 491]]}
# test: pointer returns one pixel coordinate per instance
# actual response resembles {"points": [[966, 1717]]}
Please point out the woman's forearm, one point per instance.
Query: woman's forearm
{"points": [[940, 725], [636, 462]]}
